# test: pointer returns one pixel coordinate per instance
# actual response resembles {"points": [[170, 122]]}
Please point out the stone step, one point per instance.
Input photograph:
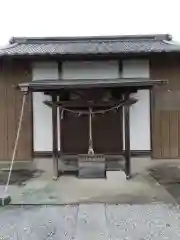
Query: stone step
{"points": [[91, 166]]}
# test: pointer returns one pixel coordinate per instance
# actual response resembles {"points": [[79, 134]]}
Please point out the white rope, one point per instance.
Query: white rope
{"points": [[90, 150], [16, 142]]}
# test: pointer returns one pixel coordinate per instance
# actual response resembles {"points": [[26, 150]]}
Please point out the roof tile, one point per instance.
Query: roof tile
{"points": [[83, 46]]}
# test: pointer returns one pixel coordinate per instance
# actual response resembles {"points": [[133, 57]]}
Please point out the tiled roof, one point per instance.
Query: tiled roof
{"points": [[138, 44]]}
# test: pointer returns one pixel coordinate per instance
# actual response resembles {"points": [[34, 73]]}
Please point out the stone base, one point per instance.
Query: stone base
{"points": [[91, 166], [5, 198], [18, 165]]}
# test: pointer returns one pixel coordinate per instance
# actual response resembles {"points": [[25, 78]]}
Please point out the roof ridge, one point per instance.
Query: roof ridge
{"points": [[8, 46], [155, 37]]}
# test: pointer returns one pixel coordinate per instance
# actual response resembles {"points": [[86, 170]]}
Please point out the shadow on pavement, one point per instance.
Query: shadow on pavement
{"points": [[168, 175]]}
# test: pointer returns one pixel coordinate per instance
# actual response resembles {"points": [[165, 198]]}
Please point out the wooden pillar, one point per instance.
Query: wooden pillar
{"points": [[127, 138], [54, 137], [60, 130]]}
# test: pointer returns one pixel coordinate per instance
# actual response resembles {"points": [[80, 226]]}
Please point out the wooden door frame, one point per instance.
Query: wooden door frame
{"points": [[133, 152]]}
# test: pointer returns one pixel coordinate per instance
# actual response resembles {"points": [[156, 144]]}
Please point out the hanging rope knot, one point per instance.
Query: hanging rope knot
{"points": [[62, 113], [90, 151]]}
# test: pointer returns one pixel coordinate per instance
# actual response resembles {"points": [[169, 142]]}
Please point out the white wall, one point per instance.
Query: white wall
{"points": [[140, 122], [140, 111], [42, 129], [90, 69], [135, 69]]}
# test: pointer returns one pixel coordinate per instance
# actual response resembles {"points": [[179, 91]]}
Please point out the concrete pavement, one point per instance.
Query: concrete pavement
{"points": [[39, 188], [142, 189]]}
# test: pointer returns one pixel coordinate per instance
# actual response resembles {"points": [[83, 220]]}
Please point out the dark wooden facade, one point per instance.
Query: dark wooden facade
{"points": [[165, 117], [106, 131], [12, 73], [165, 107]]}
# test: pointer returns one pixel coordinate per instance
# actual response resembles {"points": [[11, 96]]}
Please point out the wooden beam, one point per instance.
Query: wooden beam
{"points": [[127, 138], [55, 137]]}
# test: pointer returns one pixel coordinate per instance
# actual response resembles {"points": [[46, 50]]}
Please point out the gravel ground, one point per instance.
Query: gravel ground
{"points": [[95, 221]]}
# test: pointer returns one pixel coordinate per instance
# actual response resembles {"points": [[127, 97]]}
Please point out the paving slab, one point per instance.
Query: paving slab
{"points": [[141, 222], [91, 223], [38, 223], [94, 221]]}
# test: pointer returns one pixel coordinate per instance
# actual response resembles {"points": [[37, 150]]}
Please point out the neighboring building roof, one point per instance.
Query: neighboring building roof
{"points": [[137, 44]]}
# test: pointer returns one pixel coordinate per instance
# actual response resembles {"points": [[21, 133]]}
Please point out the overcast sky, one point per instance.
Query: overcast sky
{"points": [[88, 17]]}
